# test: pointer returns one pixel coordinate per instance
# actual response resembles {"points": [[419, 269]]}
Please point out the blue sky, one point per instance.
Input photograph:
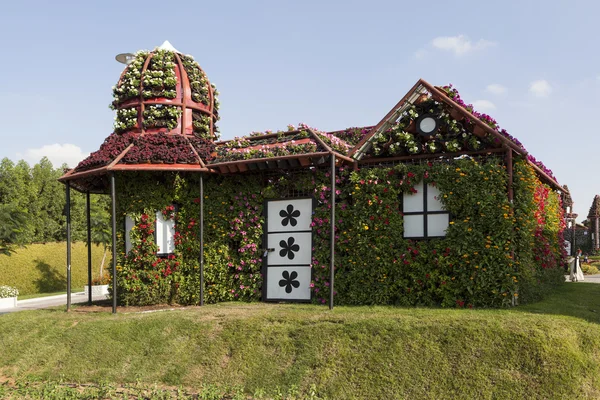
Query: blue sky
{"points": [[533, 65]]}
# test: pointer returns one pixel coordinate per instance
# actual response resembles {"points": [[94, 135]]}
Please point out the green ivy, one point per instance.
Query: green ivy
{"points": [[489, 257]]}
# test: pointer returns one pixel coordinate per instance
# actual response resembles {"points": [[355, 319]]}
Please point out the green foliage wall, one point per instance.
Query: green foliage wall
{"points": [[42, 268], [490, 256]]}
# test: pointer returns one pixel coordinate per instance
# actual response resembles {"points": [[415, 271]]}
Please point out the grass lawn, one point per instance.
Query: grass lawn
{"points": [[547, 350]]}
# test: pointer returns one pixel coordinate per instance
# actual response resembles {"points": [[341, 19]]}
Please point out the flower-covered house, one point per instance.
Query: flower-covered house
{"points": [[432, 205]]}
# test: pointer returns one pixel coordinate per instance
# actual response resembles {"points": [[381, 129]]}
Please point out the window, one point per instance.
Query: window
{"points": [[128, 226], [165, 234], [424, 215]]}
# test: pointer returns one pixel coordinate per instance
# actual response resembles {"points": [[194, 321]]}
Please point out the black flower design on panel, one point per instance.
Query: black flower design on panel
{"points": [[288, 248], [289, 280], [289, 216]]}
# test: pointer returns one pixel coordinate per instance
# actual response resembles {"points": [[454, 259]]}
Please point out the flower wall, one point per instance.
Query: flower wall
{"points": [[494, 254]]}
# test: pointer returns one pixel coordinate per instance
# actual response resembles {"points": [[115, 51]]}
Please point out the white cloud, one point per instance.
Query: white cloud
{"points": [[460, 44], [56, 153], [420, 54], [540, 88], [483, 105], [495, 88]]}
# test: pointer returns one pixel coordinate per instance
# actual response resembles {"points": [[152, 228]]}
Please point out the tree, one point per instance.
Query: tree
{"points": [[11, 221]]}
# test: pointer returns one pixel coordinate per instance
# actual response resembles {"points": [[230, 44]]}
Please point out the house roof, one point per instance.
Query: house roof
{"points": [[480, 125], [294, 148]]}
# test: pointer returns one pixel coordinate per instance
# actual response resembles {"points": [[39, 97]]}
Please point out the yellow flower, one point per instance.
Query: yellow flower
{"points": [[366, 228]]}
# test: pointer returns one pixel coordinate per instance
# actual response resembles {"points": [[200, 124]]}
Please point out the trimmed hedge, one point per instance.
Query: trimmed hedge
{"points": [[41, 268]]}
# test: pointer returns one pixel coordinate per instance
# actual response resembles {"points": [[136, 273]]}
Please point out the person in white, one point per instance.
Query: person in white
{"points": [[576, 272]]}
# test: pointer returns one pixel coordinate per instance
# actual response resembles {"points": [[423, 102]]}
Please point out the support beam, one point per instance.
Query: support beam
{"points": [[332, 238], [113, 198], [201, 239], [509, 170], [68, 215], [89, 243]]}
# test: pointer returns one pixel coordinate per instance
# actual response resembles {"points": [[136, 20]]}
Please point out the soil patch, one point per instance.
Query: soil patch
{"points": [[106, 306]]}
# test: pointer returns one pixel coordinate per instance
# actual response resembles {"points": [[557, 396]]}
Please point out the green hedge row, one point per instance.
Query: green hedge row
{"points": [[41, 268]]}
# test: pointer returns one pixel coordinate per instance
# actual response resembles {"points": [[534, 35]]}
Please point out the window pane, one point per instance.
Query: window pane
{"points": [[437, 224], [433, 199], [413, 226], [128, 226], [413, 202], [165, 232]]}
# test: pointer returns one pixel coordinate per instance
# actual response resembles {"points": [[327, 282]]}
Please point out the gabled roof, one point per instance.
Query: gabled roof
{"points": [[294, 148], [480, 125]]}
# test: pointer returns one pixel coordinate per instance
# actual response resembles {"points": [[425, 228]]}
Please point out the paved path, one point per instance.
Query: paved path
{"points": [[50, 301], [588, 278]]}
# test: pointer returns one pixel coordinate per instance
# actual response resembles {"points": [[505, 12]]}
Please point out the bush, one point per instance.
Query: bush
{"points": [[590, 269]]}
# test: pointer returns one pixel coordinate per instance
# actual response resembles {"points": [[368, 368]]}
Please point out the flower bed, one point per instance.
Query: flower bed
{"points": [[8, 296]]}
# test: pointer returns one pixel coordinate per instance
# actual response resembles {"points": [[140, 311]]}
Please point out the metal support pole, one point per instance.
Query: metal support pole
{"points": [[68, 215], [509, 170], [89, 244], [597, 235], [332, 239], [574, 241], [114, 240], [201, 239]]}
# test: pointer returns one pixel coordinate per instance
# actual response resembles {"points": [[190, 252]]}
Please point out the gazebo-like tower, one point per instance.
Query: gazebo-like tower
{"points": [[166, 114]]}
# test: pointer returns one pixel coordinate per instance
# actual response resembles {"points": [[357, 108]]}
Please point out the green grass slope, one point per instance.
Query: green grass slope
{"points": [[548, 350], [41, 268]]}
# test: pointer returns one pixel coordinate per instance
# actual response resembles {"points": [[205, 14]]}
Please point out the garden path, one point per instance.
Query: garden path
{"points": [[50, 301]]}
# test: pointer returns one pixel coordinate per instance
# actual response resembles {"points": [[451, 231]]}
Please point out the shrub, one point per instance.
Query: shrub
{"points": [[590, 269]]}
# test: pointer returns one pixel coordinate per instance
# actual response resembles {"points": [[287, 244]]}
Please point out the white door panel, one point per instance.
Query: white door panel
{"points": [[289, 215], [290, 248], [289, 283]]}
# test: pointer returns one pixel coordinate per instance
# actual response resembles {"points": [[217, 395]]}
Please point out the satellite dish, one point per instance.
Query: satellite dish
{"points": [[125, 58]]}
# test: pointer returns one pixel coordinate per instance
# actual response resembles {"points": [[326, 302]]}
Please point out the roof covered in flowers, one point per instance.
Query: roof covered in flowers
{"points": [[166, 114], [462, 130], [167, 110], [298, 146]]}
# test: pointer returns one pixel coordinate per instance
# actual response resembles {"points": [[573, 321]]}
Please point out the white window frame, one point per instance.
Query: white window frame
{"points": [[164, 234], [429, 206], [129, 224]]}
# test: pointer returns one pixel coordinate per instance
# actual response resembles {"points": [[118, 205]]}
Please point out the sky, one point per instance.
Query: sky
{"points": [[532, 65]]}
